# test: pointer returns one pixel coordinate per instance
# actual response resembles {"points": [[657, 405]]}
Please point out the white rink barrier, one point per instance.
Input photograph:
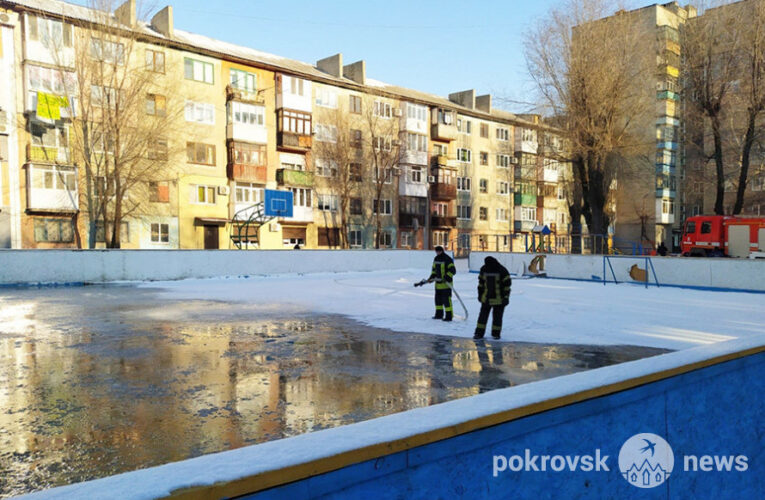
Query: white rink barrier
{"points": [[714, 273], [29, 267]]}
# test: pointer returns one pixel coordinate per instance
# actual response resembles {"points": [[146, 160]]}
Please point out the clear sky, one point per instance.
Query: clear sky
{"points": [[434, 46]]}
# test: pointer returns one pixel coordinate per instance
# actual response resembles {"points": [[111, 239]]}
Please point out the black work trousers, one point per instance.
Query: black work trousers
{"points": [[496, 319], [444, 303]]}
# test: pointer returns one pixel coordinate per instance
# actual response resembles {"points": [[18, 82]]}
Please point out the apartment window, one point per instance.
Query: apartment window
{"points": [[157, 149], [160, 233], [388, 175], [159, 192], [463, 212], [248, 193], [529, 214], [446, 117], [503, 161], [295, 122], [49, 137], [52, 34], [301, 197], [203, 195], [325, 168], [54, 177], [243, 80], [502, 214], [528, 135], [124, 231], [105, 96], [406, 239], [503, 134], [561, 193], [354, 238], [483, 213], [243, 153], [417, 142], [54, 230], [156, 105], [199, 71], [327, 202], [247, 114], [382, 109], [382, 144], [463, 183], [485, 130], [326, 133], [415, 175], [464, 126], [355, 206], [668, 207], [354, 170], [51, 80], [483, 185], [503, 187], [757, 183], [356, 140], [483, 157], [326, 97], [441, 238], [416, 112], [155, 61], [464, 155], [200, 112], [107, 51], [383, 207], [386, 239], [294, 86], [354, 104], [199, 153]]}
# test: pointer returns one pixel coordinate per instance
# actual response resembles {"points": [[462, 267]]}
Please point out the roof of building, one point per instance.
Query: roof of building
{"points": [[229, 51]]}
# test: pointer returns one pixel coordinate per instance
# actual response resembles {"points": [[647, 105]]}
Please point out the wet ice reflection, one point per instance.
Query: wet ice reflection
{"points": [[100, 380]]}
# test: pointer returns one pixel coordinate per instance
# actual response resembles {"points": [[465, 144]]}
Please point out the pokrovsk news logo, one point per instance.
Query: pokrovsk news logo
{"points": [[646, 460]]}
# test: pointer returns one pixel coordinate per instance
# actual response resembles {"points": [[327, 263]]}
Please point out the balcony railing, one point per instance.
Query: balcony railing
{"points": [[529, 200], [288, 177], [233, 93], [407, 220], [443, 132], [247, 173], [43, 154], [444, 161], [295, 142], [441, 191], [667, 95], [443, 221]]}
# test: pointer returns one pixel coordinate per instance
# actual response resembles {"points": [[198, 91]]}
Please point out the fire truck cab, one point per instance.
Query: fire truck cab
{"points": [[723, 235]]}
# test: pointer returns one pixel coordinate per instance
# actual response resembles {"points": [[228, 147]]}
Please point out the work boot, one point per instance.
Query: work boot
{"points": [[438, 316], [477, 335], [448, 317], [495, 336]]}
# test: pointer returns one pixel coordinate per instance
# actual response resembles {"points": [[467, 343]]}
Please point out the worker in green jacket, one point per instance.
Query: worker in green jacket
{"points": [[443, 274], [494, 294]]}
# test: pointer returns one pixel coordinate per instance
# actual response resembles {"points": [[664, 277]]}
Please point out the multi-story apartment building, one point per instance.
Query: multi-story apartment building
{"points": [[355, 153]]}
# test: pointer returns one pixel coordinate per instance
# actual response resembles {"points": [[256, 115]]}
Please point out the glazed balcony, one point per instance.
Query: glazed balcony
{"points": [[248, 173], [294, 142], [297, 178], [443, 191]]}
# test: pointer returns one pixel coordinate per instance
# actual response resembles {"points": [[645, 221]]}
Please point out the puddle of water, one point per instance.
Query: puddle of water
{"points": [[96, 381]]}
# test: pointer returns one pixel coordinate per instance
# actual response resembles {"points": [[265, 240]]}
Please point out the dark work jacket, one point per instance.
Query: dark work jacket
{"points": [[494, 284], [443, 271]]}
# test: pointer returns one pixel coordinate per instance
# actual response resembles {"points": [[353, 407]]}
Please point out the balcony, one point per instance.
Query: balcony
{"points": [[669, 146], [235, 94], [667, 95], [299, 214], [524, 225], [43, 154], [408, 188], [548, 175], [668, 69], [294, 142], [443, 161], [52, 188], [247, 133], [443, 132], [248, 173], [666, 193], [443, 221], [442, 191], [297, 178], [408, 220], [663, 169], [523, 199], [414, 157]]}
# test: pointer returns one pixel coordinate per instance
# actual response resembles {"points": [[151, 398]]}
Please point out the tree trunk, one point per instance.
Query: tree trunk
{"points": [[718, 156], [745, 160], [77, 237]]}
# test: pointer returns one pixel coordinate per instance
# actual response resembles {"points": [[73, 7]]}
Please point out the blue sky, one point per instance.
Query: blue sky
{"points": [[433, 46]]}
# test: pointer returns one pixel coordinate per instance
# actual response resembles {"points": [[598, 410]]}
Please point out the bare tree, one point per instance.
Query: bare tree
{"points": [[588, 71], [124, 116], [382, 155]]}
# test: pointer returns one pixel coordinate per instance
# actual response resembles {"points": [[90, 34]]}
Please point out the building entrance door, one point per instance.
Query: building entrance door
{"points": [[211, 237]]}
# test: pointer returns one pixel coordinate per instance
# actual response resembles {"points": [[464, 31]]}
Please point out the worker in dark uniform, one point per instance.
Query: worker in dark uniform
{"points": [[443, 274], [494, 294]]}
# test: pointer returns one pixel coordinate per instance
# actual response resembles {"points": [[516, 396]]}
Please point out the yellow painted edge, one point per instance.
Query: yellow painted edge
{"points": [[270, 479]]}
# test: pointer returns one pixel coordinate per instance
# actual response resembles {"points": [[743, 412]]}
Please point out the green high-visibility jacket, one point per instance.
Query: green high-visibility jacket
{"points": [[443, 271], [494, 285]]}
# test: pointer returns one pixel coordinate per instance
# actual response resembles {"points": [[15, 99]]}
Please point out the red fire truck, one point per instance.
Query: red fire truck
{"points": [[723, 235]]}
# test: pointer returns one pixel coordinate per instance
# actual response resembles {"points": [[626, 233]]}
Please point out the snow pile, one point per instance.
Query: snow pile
{"points": [[540, 310]]}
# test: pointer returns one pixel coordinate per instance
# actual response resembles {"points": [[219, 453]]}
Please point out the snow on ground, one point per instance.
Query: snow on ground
{"points": [[540, 310]]}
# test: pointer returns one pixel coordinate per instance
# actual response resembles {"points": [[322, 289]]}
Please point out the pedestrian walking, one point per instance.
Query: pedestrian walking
{"points": [[494, 294]]}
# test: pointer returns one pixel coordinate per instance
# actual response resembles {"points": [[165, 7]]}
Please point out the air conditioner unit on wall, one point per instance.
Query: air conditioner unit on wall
{"points": [[431, 178], [398, 112], [514, 160], [223, 190]]}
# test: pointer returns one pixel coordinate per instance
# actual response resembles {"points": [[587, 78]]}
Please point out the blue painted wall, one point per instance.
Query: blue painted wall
{"points": [[719, 410]]}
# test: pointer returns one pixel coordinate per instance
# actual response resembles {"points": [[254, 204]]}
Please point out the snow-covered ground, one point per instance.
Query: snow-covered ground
{"points": [[540, 310]]}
